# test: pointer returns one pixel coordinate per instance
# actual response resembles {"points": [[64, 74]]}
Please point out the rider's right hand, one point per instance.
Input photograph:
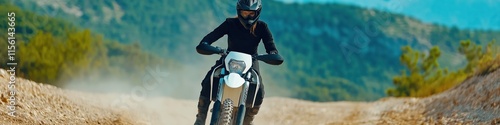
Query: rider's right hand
{"points": [[221, 51], [206, 49]]}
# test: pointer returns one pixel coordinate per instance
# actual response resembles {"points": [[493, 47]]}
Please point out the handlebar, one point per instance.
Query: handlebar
{"points": [[272, 59]]}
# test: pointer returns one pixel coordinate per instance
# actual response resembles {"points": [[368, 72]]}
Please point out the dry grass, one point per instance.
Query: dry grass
{"points": [[489, 67]]}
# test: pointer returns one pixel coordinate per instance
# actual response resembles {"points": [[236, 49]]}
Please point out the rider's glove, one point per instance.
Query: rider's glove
{"points": [[221, 51]]}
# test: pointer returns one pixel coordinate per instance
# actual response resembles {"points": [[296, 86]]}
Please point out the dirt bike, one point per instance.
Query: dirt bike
{"points": [[230, 91]]}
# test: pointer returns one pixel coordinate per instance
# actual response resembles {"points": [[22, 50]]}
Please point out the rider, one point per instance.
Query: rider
{"points": [[244, 35]]}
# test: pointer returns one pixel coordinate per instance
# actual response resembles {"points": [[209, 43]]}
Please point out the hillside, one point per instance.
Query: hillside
{"points": [[332, 51], [475, 101], [54, 51]]}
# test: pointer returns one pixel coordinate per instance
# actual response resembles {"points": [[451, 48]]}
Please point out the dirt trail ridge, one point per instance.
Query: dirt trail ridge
{"points": [[475, 101]]}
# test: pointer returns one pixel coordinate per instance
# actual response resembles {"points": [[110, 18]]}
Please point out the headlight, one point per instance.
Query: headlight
{"points": [[236, 66]]}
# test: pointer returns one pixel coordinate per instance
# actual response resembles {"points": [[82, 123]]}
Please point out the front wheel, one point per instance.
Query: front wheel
{"points": [[226, 112]]}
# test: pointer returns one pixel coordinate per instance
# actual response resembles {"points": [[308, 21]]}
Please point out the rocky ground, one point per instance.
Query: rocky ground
{"points": [[475, 101]]}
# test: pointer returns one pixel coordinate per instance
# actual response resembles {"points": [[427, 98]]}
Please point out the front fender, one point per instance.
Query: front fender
{"points": [[234, 80]]}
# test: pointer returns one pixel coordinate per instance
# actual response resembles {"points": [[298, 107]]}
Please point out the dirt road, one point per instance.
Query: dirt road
{"points": [[476, 101]]}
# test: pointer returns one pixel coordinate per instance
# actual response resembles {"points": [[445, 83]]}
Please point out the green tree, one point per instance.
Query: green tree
{"points": [[40, 58], [423, 70], [478, 60], [427, 78]]}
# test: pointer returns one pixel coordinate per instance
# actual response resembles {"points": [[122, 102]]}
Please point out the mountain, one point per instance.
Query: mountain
{"points": [[332, 51], [55, 51], [478, 15]]}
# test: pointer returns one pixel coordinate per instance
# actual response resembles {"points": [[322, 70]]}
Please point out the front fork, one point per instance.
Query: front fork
{"points": [[241, 102]]}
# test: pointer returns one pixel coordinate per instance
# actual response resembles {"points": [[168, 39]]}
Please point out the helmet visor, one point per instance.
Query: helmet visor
{"points": [[247, 14]]}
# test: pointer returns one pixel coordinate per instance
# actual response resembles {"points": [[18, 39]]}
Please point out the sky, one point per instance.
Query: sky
{"points": [[464, 14]]}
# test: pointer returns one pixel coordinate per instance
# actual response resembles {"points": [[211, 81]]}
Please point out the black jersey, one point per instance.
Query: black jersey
{"points": [[240, 39]]}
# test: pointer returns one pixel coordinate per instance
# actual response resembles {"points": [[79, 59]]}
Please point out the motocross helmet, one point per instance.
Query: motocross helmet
{"points": [[249, 5]]}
